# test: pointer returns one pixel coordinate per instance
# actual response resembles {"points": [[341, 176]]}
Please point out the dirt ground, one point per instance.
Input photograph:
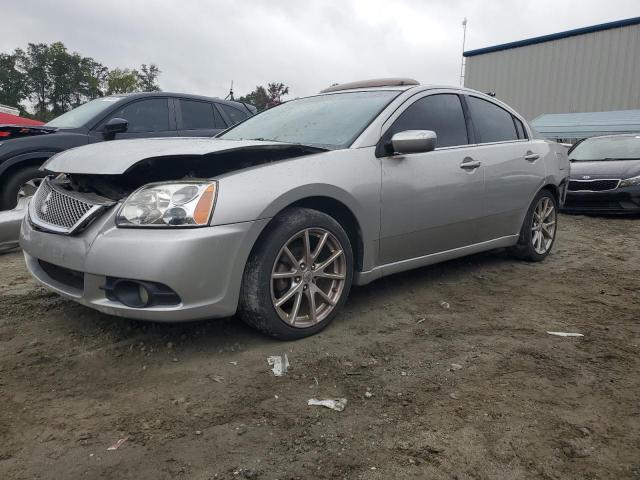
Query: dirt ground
{"points": [[475, 391]]}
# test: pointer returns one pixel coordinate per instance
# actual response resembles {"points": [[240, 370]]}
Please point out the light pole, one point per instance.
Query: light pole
{"points": [[464, 38]]}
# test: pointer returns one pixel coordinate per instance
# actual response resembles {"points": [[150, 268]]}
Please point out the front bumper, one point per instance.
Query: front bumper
{"points": [[204, 266], [10, 227], [620, 200]]}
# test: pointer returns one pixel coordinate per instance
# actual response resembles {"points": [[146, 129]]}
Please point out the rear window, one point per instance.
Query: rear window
{"points": [[493, 124]]}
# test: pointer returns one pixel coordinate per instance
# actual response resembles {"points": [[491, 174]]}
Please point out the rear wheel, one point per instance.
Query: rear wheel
{"points": [[299, 276], [539, 229], [19, 186]]}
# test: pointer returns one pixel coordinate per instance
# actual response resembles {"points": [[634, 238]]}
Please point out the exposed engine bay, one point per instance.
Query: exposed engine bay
{"points": [[179, 167]]}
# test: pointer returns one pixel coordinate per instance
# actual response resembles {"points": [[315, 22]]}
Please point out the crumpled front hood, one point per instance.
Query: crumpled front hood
{"points": [[116, 157], [605, 169]]}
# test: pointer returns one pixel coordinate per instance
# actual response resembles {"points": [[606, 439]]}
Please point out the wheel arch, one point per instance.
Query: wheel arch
{"points": [[25, 160], [336, 209]]}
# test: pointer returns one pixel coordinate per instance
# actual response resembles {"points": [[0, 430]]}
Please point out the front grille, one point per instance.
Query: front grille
{"points": [[56, 210], [593, 185], [66, 276]]}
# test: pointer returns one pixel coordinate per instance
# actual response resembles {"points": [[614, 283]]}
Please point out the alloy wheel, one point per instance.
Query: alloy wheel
{"points": [[543, 225], [308, 277]]}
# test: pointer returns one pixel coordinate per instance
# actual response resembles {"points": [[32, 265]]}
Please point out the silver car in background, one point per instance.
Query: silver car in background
{"points": [[280, 215]]}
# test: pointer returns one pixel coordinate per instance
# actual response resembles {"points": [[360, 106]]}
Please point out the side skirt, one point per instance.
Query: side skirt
{"points": [[362, 278]]}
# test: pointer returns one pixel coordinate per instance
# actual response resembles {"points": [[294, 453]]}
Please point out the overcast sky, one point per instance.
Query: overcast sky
{"points": [[201, 45]]}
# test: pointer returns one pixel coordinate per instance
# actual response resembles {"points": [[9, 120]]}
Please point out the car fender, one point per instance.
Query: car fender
{"points": [[351, 177], [25, 157]]}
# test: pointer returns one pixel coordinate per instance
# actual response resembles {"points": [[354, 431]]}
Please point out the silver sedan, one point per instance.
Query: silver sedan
{"points": [[277, 217]]}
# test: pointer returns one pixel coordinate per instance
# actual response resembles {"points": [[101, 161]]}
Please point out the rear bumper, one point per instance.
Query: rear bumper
{"points": [[620, 200]]}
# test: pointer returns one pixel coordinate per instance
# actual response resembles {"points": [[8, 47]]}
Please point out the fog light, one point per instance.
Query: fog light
{"points": [[143, 294]]}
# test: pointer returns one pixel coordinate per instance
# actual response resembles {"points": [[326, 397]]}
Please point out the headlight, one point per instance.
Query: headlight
{"points": [[180, 204], [630, 182]]}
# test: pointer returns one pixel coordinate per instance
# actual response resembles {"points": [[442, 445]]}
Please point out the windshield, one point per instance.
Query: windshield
{"points": [[607, 148], [327, 121], [84, 113]]}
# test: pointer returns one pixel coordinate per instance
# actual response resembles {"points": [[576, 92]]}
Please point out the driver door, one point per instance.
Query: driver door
{"points": [[433, 201]]}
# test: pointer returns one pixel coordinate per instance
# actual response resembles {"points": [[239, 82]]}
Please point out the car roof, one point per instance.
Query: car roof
{"points": [[181, 95]]}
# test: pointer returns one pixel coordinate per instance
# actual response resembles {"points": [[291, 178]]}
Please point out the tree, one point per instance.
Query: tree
{"points": [[34, 63], [122, 81], [275, 92], [54, 80], [263, 98], [13, 89], [148, 77]]}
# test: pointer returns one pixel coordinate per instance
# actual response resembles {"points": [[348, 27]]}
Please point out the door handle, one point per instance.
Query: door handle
{"points": [[531, 157], [470, 164]]}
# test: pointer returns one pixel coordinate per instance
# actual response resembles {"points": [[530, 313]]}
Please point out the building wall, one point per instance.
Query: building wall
{"points": [[593, 72]]}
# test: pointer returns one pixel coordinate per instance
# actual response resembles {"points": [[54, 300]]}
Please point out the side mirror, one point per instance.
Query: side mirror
{"points": [[113, 126], [414, 141]]}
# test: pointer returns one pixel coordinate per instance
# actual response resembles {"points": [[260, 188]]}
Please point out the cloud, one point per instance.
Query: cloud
{"points": [[202, 45]]}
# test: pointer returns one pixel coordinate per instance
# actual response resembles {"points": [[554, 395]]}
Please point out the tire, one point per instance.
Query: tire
{"points": [[261, 292], [530, 246], [14, 182]]}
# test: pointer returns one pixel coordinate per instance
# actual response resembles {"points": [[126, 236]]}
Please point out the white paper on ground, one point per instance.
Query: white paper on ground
{"points": [[336, 404], [279, 365], [566, 334]]}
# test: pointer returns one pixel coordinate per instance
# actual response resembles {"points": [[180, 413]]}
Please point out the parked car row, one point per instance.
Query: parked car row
{"points": [[277, 217], [23, 149]]}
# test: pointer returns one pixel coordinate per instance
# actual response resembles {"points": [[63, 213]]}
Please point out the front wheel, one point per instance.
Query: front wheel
{"points": [[539, 229], [20, 186], [299, 275]]}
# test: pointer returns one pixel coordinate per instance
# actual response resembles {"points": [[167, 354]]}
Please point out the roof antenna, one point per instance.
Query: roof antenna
{"points": [[230, 95]]}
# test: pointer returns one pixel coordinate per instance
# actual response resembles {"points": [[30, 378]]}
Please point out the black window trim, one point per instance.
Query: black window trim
{"points": [[380, 147], [477, 135]]}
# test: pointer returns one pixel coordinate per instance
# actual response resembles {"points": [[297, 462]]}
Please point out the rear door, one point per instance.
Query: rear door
{"points": [[513, 167], [431, 202], [148, 117], [198, 118]]}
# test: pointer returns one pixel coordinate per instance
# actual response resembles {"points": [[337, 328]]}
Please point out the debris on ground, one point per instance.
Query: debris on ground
{"points": [[279, 364], [456, 366], [234, 363], [336, 404], [445, 305], [216, 378], [119, 443], [420, 320], [368, 394], [566, 334]]}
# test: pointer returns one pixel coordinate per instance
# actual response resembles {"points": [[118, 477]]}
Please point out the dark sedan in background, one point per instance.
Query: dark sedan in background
{"points": [[605, 175], [23, 149]]}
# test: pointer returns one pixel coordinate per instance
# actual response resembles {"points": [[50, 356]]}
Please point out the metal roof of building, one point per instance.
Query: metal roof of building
{"points": [[587, 124], [554, 36]]}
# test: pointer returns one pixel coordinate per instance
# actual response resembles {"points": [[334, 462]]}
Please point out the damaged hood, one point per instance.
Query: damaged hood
{"points": [[115, 158]]}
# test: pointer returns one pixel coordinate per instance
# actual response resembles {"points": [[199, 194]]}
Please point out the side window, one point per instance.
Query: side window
{"points": [[150, 115], [441, 113], [493, 124], [234, 114], [196, 115], [522, 133]]}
